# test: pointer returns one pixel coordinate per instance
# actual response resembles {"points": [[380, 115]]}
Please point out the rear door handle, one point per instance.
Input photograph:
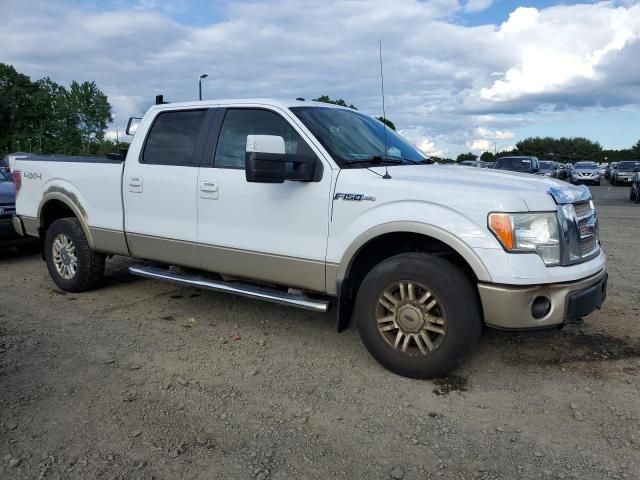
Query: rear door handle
{"points": [[209, 190], [135, 184]]}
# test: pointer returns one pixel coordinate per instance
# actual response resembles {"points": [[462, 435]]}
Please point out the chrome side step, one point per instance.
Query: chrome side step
{"points": [[245, 290]]}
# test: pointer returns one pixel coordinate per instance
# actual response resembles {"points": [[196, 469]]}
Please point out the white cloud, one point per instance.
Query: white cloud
{"points": [[560, 45], [493, 134], [451, 84], [477, 5], [480, 145]]}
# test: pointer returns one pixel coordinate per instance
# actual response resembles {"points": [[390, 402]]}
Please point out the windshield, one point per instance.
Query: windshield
{"points": [[4, 177], [546, 165], [350, 136], [585, 165], [514, 164], [628, 166]]}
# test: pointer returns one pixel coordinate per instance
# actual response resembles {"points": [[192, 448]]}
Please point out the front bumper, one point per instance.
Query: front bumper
{"points": [[510, 307], [589, 179], [628, 180]]}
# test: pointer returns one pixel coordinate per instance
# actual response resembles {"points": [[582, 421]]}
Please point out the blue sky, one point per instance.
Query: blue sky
{"points": [[460, 75]]}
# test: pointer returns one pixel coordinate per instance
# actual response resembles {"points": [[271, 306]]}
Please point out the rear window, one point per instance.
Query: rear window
{"points": [[514, 164], [173, 139]]}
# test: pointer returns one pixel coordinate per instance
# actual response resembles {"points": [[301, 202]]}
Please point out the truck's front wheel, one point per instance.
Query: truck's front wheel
{"points": [[418, 315], [72, 264]]}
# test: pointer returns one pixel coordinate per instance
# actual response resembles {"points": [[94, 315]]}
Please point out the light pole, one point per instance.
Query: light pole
{"points": [[204, 75]]}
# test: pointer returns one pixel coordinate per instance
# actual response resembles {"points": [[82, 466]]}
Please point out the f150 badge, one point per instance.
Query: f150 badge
{"points": [[356, 197]]}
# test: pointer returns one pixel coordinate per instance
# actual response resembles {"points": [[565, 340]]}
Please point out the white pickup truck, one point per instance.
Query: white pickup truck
{"points": [[313, 205]]}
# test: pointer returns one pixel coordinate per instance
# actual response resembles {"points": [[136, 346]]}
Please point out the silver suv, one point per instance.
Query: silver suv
{"points": [[585, 172]]}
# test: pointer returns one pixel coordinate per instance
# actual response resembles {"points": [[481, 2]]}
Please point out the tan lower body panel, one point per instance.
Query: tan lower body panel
{"points": [[109, 241], [507, 306], [278, 269]]}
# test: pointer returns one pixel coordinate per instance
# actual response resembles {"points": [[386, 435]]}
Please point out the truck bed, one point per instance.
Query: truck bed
{"points": [[90, 186]]}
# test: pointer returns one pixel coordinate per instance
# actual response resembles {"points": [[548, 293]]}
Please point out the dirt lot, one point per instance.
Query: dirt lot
{"points": [[142, 379]]}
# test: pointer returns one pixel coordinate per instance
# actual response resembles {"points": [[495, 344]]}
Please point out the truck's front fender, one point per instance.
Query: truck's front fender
{"points": [[349, 233]]}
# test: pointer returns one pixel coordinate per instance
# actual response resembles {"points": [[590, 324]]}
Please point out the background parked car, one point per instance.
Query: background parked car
{"points": [[518, 164], [585, 172], [8, 235], [8, 161], [561, 171], [634, 193], [474, 163], [603, 169], [624, 172], [546, 167]]}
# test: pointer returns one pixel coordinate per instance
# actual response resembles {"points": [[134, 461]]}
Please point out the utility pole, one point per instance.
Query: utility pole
{"points": [[204, 75]]}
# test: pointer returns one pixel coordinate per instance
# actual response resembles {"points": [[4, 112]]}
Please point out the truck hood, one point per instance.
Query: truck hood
{"points": [[7, 192], [504, 188]]}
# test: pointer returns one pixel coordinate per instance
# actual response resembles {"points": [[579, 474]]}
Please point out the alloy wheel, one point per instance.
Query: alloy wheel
{"points": [[410, 318]]}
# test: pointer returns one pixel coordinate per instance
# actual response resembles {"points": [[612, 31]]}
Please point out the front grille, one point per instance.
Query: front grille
{"points": [[587, 247], [582, 241], [579, 224], [582, 209]]}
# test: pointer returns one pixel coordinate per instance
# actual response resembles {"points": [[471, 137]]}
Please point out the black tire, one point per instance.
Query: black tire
{"points": [[90, 265], [456, 296], [632, 195], [637, 196]]}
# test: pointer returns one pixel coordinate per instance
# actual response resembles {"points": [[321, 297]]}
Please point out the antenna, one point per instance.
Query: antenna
{"points": [[384, 115]]}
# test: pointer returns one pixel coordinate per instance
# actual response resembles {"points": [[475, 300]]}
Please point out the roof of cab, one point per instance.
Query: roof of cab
{"points": [[272, 102]]}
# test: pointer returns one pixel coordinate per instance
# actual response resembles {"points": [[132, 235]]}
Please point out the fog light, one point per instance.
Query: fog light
{"points": [[541, 307]]}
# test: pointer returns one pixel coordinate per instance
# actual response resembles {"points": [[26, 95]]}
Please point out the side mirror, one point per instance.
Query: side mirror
{"points": [[132, 125], [267, 162]]}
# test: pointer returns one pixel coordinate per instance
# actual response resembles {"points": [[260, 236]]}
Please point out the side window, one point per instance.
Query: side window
{"points": [[173, 138], [238, 123]]}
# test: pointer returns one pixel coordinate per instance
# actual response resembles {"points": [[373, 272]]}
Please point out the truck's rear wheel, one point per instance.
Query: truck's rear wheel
{"points": [[72, 264], [418, 315]]}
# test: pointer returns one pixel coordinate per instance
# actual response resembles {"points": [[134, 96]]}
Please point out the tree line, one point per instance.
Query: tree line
{"points": [[563, 150], [45, 117]]}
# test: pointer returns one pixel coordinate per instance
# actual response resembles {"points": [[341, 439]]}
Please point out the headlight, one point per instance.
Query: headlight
{"points": [[528, 232]]}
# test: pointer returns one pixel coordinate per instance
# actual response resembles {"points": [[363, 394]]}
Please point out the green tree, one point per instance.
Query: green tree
{"points": [[91, 111], [466, 156], [16, 109], [560, 149], [487, 157], [636, 149], [387, 122], [338, 101], [44, 117]]}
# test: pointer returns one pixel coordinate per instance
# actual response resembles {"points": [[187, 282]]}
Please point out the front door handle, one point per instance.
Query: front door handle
{"points": [[135, 184], [209, 190]]}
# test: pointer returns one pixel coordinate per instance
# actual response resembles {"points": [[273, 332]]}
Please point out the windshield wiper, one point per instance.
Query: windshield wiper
{"points": [[384, 160]]}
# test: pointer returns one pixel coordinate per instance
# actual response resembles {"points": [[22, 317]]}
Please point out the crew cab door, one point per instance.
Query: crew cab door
{"points": [[159, 188], [273, 232]]}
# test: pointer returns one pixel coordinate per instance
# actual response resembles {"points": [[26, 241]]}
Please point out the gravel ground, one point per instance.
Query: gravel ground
{"points": [[143, 379]]}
